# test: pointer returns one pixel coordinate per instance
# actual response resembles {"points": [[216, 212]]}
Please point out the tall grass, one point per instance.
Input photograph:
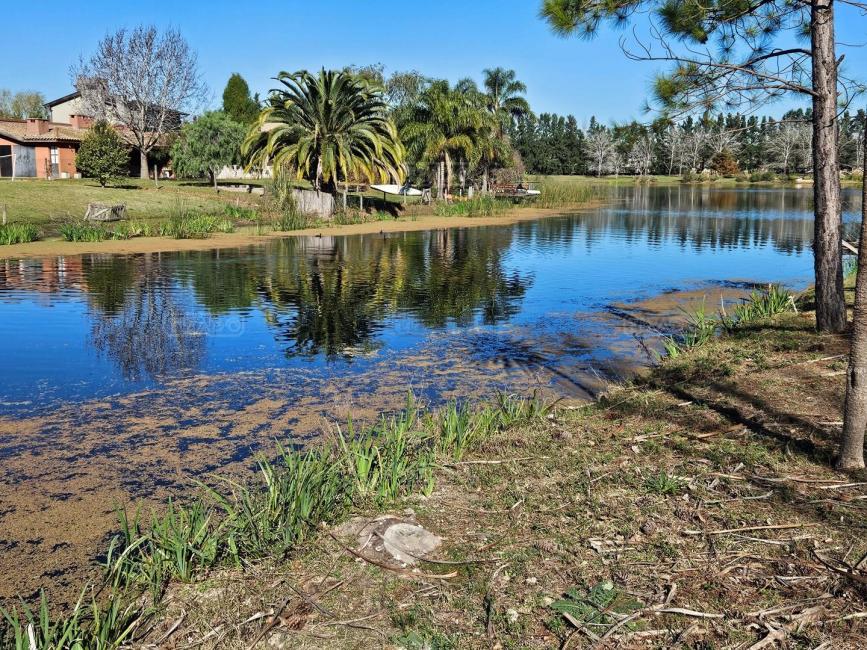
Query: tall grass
{"points": [[560, 193], [701, 327], [18, 233], [288, 216], [189, 224], [482, 205], [95, 626], [760, 305], [83, 231]]}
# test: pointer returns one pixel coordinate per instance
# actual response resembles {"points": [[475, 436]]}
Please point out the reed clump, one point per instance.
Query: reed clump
{"points": [[18, 233], [83, 231]]}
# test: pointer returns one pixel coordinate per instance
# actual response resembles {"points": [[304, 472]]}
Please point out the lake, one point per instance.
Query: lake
{"points": [[125, 377]]}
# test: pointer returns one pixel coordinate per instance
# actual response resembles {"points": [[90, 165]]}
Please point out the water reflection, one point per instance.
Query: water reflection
{"points": [[330, 299]]}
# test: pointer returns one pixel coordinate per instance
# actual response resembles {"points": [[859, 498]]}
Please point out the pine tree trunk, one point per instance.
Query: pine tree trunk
{"points": [[855, 411], [827, 248]]}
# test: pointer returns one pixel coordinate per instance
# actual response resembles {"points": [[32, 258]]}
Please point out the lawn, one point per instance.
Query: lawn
{"points": [[46, 202]]}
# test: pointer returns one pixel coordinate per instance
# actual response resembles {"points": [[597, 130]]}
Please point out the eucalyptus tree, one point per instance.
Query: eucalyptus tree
{"points": [[325, 128], [446, 124], [744, 54]]}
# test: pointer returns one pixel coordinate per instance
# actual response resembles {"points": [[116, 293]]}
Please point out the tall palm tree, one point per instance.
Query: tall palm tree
{"points": [[325, 128], [503, 92], [446, 124]]}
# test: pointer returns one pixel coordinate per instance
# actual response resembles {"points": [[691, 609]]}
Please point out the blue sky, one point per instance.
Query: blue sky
{"points": [[450, 39]]}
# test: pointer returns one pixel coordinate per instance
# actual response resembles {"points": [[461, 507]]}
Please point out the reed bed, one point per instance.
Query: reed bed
{"points": [[18, 233], [563, 193], [230, 523]]}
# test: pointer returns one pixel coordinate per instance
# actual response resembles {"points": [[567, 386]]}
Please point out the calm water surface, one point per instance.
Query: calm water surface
{"points": [[92, 326]]}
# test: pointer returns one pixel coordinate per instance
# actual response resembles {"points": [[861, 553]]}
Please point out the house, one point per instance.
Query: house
{"points": [[118, 112], [37, 148]]}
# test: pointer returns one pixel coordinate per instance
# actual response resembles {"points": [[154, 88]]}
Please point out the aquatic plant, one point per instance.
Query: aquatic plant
{"points": [[759, 305], [191, 225], [83, 231], [700, 328], [558, 193], [483, 205], [18, 233], [101, 626]]}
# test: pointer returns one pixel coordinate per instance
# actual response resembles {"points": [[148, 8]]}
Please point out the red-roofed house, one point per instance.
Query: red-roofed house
{"points": [[40, 148]]}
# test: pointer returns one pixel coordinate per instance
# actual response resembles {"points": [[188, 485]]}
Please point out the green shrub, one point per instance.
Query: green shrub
{"points": [[18, 233]]}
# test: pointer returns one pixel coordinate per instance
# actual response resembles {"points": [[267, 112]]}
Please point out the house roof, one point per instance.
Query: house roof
{"points": [[17, 130], [61, 100]]}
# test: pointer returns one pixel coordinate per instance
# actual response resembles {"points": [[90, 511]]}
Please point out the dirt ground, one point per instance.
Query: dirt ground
{"points": [[695, 507]]}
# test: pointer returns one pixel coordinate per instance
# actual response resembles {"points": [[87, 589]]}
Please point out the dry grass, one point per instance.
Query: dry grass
{"points": [[695, 509]]}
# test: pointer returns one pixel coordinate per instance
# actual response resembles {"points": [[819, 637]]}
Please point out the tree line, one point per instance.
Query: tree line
{"points": [[727, 143]]}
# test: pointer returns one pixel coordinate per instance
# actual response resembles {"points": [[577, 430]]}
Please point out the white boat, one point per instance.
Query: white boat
{"points": [[397, 190]]}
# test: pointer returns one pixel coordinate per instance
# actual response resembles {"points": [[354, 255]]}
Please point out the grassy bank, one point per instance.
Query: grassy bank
{"points": [[695, 507]]}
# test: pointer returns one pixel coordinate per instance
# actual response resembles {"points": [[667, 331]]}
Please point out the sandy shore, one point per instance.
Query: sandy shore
{"points": [[247, 236]]}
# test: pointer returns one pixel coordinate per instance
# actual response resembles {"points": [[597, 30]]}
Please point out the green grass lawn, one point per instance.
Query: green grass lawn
{"points": [[46, 202]]}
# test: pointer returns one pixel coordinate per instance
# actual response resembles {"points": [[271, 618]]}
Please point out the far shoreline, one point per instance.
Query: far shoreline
{"points": [[246, 236]]}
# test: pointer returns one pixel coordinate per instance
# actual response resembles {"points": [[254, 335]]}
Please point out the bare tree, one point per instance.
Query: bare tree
{"points": [[855, 410], [641, 155], [143, 81], [600, 144], [791, 143]]}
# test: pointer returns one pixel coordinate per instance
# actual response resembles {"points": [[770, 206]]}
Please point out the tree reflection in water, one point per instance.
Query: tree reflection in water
{"points": [[139, 323]]}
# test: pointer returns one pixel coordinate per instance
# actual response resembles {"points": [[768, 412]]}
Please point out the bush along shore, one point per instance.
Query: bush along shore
{"points": [[695, 506]]}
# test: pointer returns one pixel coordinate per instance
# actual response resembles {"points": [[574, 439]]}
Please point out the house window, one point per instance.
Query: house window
{"points": [[55, 156]]}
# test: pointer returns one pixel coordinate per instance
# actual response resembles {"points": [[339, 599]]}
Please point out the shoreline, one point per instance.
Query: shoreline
{"points": [[242, 237]]}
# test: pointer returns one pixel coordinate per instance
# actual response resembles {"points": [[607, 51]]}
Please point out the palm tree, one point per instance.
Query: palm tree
{"points": [[446, 124], [326, 128], [504, 97]]}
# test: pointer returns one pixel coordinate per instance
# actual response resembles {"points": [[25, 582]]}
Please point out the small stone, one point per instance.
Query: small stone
{"points": [[648, 527], [547, 601], [511, 616], [531, 581]]}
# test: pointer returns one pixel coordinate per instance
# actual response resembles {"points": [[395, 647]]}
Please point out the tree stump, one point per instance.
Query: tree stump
{"points": [[103, 212]]}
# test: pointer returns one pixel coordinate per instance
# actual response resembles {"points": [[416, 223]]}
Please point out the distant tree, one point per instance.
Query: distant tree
{"points": [[103, 154], [326, 128], [504, 96], [206, 145], [237, 102], [448, 124], [600, 146], [724, 164], [786, 142], [22, 105], [143, 80]]}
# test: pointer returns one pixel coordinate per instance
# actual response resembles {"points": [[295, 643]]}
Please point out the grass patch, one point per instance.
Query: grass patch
{"points": [[186, 223], [483, 205], [18, 233], [83, 231]]}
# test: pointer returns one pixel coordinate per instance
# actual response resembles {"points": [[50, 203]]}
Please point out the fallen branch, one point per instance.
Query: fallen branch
{"points": [[746, 529]]}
